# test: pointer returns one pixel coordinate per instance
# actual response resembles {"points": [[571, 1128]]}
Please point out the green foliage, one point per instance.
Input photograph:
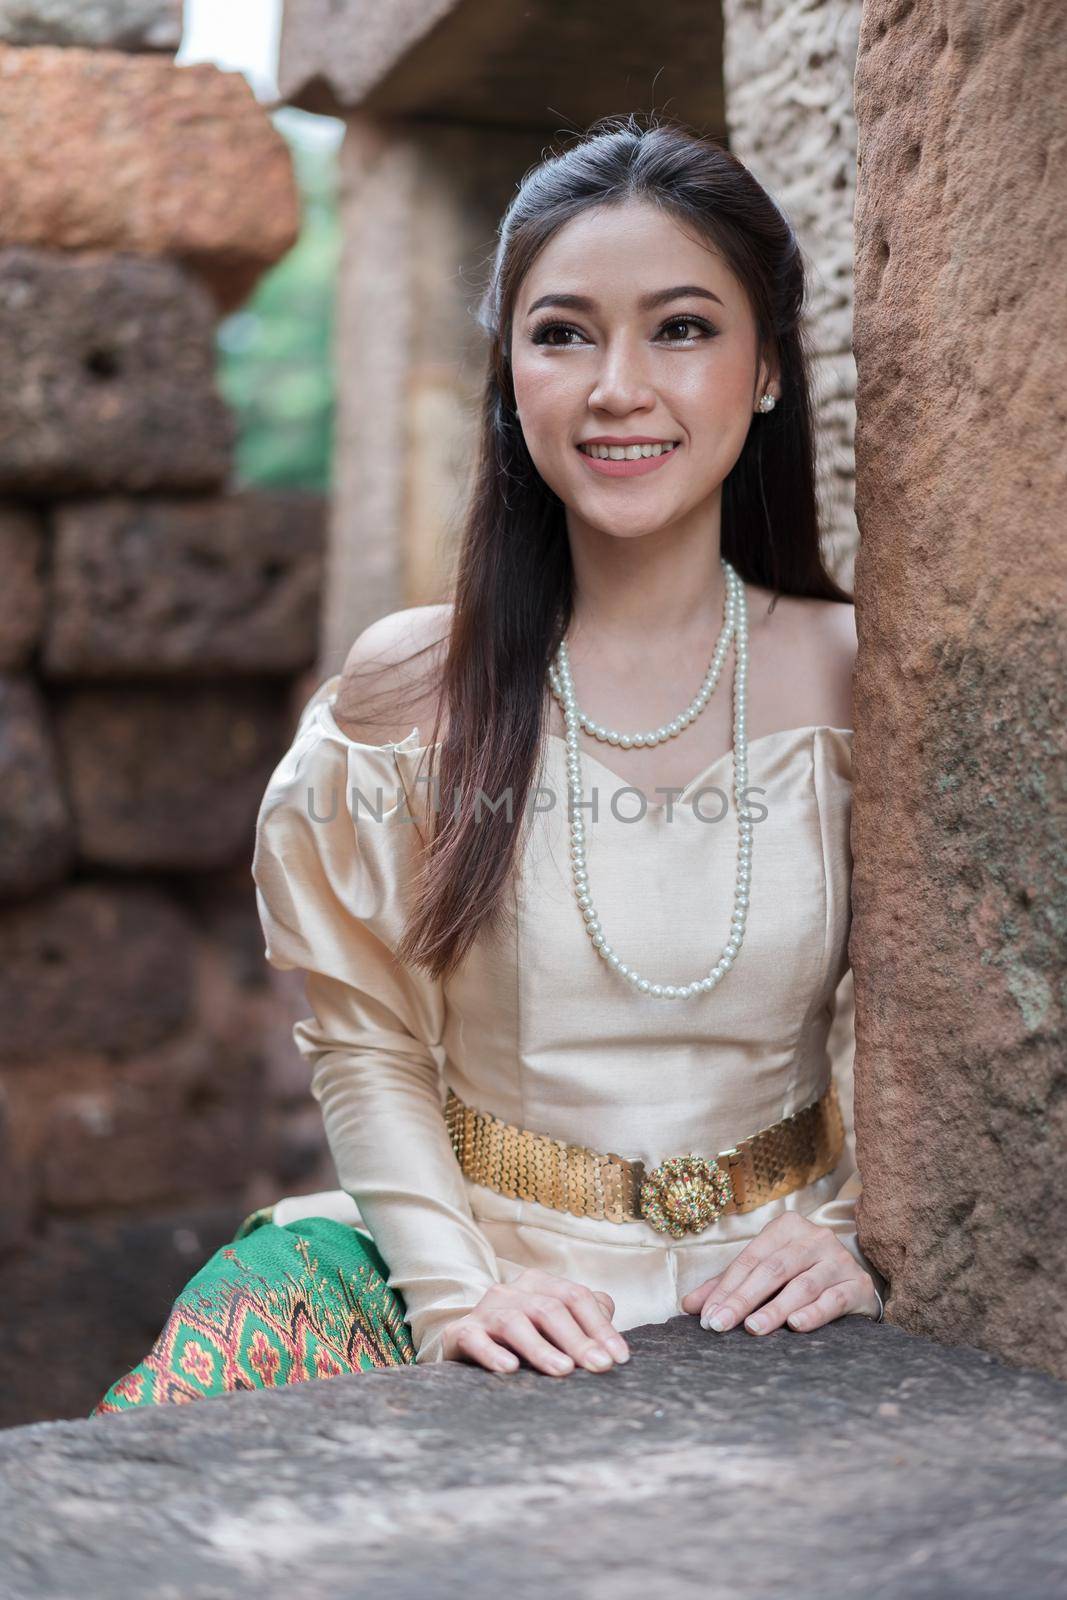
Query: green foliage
{"points": [[275, 355]]}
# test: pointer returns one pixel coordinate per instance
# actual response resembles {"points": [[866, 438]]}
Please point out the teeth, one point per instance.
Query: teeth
{"points": [[617, 452]]}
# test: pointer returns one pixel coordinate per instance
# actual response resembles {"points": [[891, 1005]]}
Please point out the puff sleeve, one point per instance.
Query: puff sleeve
{"points": [[334, 846]]}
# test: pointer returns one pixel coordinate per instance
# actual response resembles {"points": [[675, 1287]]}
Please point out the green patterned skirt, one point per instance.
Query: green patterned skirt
{"points": [[279, 1304]]}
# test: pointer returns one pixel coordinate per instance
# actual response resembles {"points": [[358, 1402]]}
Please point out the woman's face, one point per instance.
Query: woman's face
{"points": [[593, 357]]}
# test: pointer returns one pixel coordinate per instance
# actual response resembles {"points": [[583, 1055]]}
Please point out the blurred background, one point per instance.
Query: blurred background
{"points": [[275, 354], [240, 251]]}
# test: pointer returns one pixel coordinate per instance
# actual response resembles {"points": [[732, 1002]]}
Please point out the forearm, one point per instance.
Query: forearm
{"points": [[393, 1155]]}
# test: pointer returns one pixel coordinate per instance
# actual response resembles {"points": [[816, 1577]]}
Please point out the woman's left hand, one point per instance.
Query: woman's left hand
{"points": [[815, 1277]]}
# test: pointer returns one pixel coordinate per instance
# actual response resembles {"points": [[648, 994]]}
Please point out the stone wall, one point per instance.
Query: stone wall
{"points": [[960, 887], [158, 628], [802, 147]]}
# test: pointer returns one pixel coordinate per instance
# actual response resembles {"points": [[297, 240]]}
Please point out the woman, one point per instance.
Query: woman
{"points": [[573, 1062]]}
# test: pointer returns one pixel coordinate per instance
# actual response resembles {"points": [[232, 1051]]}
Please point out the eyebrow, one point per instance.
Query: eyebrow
{"points": [[647, 302]]}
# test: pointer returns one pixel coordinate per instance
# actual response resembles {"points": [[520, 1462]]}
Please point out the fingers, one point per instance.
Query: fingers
{"points": [[739, 1293], [787, 1246], [472, 1343], [794, 1272], [573, 1320], [593, 1310], [518, 1333], [799, 1291], [696, 1298], [518, 1330], [553, 1322], [837, 1300]]}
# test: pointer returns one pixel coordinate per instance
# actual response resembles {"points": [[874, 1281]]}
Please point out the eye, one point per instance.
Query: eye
{"points": [[542, 334], [690, 322]]}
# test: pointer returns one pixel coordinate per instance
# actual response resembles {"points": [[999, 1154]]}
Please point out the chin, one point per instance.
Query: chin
{"points": [[615, 529]]}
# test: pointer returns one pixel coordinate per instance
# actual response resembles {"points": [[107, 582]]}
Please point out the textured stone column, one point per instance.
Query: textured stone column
{"points": [[788, 67], [420, 206], [960, 902]]}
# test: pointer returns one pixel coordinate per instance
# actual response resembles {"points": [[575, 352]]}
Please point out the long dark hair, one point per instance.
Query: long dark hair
{"points": [[512, 589]]}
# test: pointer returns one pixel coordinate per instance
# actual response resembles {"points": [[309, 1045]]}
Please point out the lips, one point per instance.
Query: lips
{"points": [[636, 468]]}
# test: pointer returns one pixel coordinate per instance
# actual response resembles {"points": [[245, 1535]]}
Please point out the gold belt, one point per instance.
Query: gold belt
{"points": [[683, 1194]]}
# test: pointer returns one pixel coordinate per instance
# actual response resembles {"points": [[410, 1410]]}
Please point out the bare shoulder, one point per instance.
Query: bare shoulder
{"points": [[810, 650], [391, 674], [831, 630], [836, 622]]}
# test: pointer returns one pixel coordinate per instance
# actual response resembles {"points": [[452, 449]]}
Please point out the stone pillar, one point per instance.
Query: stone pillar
{"points": [[410, 359], [960, 892], [788, 70]]}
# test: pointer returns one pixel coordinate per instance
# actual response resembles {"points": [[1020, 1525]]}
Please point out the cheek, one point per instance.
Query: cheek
{"points": [[714, 392], [540, 395]]}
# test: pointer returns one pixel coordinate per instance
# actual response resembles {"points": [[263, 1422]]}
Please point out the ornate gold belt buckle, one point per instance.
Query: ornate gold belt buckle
{"points": [[685, 1194]]}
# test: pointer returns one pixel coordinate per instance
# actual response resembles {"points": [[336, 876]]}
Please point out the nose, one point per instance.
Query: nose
{"points": [[621, 384]]}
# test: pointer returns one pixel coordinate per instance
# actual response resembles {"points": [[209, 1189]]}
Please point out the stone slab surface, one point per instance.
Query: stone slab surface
{"points": [[855, 1461]]}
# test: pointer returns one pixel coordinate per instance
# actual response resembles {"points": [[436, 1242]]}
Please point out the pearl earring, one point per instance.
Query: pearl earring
{"points": [[767, 403]]}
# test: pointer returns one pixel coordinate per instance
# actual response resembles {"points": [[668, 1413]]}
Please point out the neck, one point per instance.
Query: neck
{"points": [[648, 603], [668, 584]]}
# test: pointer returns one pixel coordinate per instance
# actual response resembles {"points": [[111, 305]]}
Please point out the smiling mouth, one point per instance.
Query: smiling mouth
{"points": [[633, 452]]}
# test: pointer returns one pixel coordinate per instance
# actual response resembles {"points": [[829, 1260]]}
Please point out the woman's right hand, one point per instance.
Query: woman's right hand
{"points": [[554, 1323]]}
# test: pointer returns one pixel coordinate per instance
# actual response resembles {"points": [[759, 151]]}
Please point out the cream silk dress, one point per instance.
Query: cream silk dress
{"points": [[537, 1029]]}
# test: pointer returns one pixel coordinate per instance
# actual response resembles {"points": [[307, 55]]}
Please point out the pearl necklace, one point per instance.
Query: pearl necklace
{"points": [[736, 627], [668, 730]]}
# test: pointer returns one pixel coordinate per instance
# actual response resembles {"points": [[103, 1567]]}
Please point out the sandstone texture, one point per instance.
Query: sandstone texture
{"points": [[109, 365], [857, 1460], [152, 620], [93, 967], [101, 150], [95, 24], [171, 1124], [454, 61], [960, 888], [168, 779], [118, 1129], [85, 1299], [802, 148], [22, 593], [36, 828], [185, 587]]}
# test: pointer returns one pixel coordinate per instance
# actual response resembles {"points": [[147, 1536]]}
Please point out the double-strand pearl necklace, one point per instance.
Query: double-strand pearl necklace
{"points": [[736, 626], [668, 730]]}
